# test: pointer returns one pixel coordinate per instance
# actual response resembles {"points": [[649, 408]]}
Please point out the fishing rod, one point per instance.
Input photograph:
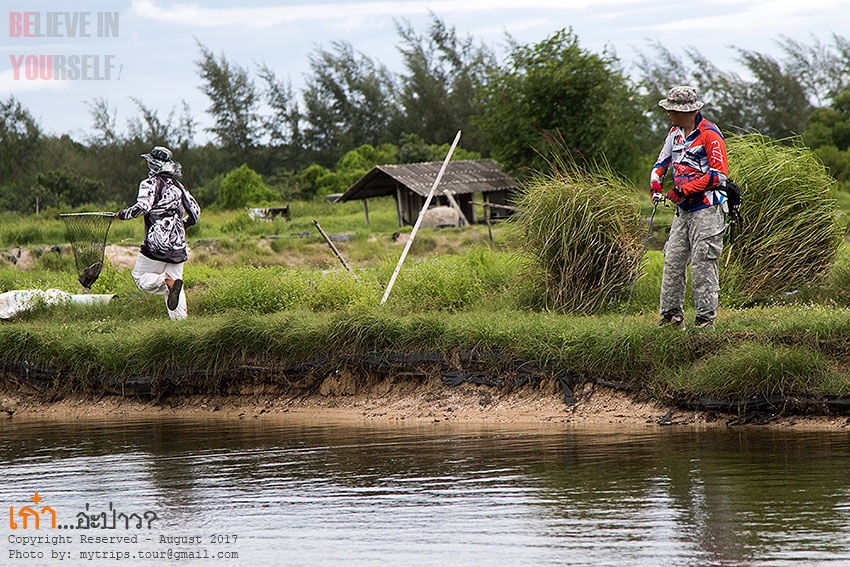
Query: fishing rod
{"points": [[637, 269]]}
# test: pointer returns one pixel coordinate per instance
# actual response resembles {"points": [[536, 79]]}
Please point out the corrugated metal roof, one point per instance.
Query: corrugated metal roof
{"points": [[463, 176]]}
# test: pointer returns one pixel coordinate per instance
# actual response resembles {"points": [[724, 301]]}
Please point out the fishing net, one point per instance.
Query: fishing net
{"points": [[87, 234]]}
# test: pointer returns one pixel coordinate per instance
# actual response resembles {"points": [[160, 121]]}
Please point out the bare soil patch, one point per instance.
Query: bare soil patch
{"points": [[404, 401]]}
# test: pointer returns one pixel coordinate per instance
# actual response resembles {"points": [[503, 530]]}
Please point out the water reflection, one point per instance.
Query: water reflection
{"points": [[470, 495]]}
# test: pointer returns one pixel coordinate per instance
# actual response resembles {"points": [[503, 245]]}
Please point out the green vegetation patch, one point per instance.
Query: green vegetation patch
{"points": [[757, 369], [790, 229], [581, 231]]}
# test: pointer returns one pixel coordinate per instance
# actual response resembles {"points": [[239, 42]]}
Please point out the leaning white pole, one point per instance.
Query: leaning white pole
{"points": [[419, 218]]}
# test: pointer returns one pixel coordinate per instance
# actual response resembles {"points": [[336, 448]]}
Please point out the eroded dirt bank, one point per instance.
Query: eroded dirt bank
{"points": [[339, 399]]}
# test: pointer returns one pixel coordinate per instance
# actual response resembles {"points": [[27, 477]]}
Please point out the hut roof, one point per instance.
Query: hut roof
{"points": [[462, 176]]}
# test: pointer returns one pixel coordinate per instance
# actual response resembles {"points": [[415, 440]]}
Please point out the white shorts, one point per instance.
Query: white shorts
{"points": [[150, 275]]}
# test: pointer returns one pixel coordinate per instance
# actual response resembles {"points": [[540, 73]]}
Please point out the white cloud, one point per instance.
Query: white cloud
{"points": [[259, 17], [762, 17], [9, 84]]}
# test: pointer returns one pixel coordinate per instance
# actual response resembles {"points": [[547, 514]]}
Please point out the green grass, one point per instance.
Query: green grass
{"points": [[286, 302], [787, 351]]}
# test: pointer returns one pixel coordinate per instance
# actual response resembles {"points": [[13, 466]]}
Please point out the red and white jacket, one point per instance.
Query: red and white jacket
{"points": [[700, 166]]}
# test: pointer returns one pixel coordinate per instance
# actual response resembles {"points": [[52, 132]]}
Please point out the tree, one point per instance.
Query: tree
{"points": [[19, 139], [823, 70], [148, 129], [234, 101], [828, 135], [316, 180], [104, 119], [439, 91], [349, 101], [243, 186], [414, 149], [780, 103], [774, 102], [557, 87], [283, 125], [65, 188]]}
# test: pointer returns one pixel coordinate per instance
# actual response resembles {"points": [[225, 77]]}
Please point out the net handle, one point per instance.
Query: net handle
{"points": [[103, 214]]}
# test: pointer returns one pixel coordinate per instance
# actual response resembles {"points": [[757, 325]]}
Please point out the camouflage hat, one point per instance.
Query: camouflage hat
{"points": [[681, 99], [158, 157]]}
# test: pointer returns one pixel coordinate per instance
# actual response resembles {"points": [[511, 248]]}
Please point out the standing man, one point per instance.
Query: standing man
{"points": [[169, 209], [697, 152]]}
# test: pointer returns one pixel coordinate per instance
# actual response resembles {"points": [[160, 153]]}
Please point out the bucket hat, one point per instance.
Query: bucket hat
{"points": [[158, 157], [681, 98], [160, 161]]}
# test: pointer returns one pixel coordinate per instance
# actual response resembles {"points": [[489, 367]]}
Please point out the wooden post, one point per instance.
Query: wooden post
{"points": [[463, 220], [398, 206], [489, 226], [419, 218], [366, 210], [335, 251]]}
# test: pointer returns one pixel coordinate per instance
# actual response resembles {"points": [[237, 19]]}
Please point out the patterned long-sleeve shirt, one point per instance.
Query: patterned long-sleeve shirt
{"points": [[169, 209], [699, 161]]}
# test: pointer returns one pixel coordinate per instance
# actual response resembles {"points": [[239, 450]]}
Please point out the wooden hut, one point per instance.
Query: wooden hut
{"points": [[410, 183]]}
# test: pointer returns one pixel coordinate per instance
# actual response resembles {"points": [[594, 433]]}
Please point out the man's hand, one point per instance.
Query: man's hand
{"points": [[655, 192], [675, 195]]}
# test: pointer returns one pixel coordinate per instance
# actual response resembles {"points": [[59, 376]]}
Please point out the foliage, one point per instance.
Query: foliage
{"points": [[774, 102], [64, 188], [234, 101], [829, 135], [791, 233], [242, 187], [581, 231], [318, 181], [149, 129], [413, 149], [556, 86], [349, 101], [821, 68], [19, 140], [447, 82], [439, 92]]}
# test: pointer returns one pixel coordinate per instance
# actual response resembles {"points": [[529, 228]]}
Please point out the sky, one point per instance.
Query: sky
{"points": [[55, 62]]}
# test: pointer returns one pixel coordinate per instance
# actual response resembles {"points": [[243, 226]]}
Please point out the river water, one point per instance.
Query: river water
{"points": [[268, 493]]}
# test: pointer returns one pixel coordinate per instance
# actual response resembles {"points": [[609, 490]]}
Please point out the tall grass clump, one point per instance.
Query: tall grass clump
{"points": [[582, 233], [790, 230]]}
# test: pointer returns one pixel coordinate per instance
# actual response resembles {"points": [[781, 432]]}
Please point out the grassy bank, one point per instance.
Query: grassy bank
{"points": [[793, 358], [281, 312]]}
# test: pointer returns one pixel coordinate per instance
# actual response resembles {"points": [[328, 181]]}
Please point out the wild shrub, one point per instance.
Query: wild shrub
{"points": [[582, 233], [790, 230], [243, 186]]}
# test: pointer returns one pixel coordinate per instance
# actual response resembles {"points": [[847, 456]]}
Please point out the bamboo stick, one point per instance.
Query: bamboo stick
{"points": [[419, 219], [335, 251]]}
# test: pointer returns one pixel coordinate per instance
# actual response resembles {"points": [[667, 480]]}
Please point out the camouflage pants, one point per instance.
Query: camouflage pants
{"points": [[696, 238]]}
